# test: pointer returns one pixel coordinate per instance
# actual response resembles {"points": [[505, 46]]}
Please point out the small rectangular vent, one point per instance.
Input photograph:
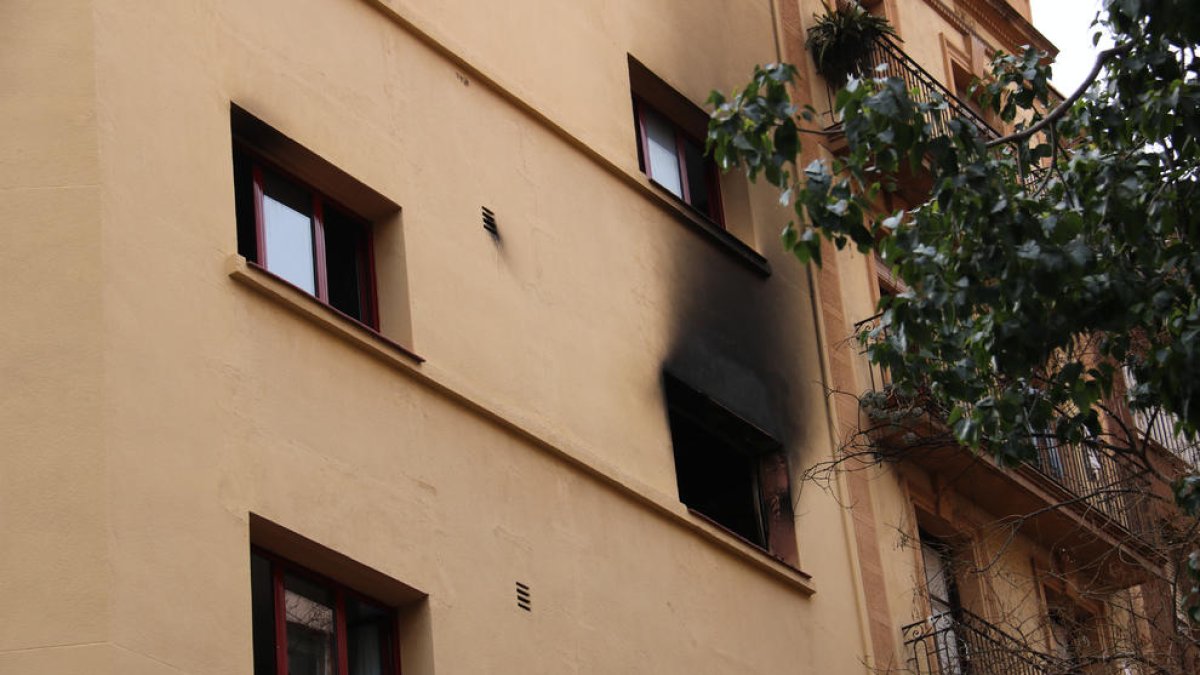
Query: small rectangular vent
{"points": [[489, 222], [524, 599]]}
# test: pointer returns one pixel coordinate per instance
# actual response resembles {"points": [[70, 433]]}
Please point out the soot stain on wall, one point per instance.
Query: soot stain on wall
{"points": [[734, 337]]}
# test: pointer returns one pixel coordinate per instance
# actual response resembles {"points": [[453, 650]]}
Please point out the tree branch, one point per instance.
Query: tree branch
{"points": [[1062, 108]]}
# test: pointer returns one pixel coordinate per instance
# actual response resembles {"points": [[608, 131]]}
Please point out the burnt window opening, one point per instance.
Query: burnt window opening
{"points": [[730, 471]]}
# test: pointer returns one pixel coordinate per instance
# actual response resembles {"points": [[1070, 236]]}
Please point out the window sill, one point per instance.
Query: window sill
{"points": [[713, 231], [345, 327], [752, 552]]}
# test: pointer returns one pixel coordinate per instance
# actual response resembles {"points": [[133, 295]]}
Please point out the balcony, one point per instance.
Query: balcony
{"points": [[889, 60], [1159, 427], [1071, 497], [959, 642], [1113, 487]]}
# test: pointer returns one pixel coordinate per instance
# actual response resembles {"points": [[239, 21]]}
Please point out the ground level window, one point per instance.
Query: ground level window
{"points": [[307, 625], [304, 237]]}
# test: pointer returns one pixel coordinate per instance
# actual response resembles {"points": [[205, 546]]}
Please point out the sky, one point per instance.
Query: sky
{"points": [[1066, 23]]}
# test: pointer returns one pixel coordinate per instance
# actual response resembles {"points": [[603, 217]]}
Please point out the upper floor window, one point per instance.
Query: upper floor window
{"points": [[670, 129], [305, 624], [304, 237], [675, 160]]}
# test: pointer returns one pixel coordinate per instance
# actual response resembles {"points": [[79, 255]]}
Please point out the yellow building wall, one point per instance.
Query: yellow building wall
{"points": [[162, 402], [155, 402], [53, 459]]}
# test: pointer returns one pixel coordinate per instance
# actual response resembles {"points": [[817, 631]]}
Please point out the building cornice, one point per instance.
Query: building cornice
{"points": [[1008, 23], [998, 18]]}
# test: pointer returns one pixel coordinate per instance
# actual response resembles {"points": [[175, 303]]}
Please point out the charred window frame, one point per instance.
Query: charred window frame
{"points": [[729, 471]]}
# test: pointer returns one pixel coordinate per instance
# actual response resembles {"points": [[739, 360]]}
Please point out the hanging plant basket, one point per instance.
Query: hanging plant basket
{"points": [[841, 38]]}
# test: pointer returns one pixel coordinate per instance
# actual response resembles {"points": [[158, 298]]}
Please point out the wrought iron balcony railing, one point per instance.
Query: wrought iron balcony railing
{"points": [[889, 60], [1159, 426], [961, 643], [1107, 484]]}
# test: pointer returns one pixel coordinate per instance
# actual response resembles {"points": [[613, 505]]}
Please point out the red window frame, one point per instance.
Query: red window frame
{"points": [[367, 290], [280, 568], [712, 181]]}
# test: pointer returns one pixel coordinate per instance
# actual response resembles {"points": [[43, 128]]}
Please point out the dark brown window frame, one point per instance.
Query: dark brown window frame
{"points": [[280, 567], [712, 181], [368, 299]]}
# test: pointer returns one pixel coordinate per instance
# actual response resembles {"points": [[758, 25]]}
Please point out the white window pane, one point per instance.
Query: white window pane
{"points": [[662, 155], [289, 243], [936, 578]]}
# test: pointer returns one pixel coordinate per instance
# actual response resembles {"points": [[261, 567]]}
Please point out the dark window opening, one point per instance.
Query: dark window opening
{"points": [[716, 480], [348, 250], [307, 625], [1075, 632], [726, 469]]}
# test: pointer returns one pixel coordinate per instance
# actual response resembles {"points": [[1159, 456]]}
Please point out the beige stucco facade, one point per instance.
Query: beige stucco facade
{"points": [[167, 405]]}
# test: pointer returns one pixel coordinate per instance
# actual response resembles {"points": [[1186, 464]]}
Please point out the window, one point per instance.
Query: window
{"points": [[305, 624], [1075, 632], [730, 471], [304, 237], [670, 130], [675, 160], [945, 607]]}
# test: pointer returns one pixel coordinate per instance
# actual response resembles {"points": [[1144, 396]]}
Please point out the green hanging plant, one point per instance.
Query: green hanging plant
{"points": [[840, 40]]}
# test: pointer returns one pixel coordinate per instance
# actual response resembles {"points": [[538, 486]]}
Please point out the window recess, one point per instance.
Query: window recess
{"points": [[310, 224], [304, 237], [675, 161], [670, 132], [730, 471], [305, 624]]}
